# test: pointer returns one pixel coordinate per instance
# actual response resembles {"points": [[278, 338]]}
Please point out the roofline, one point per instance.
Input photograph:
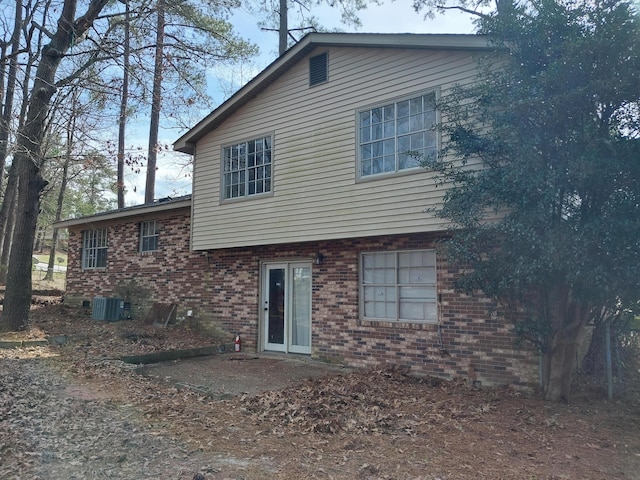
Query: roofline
{"points": [[148, 208], [186, 143]]}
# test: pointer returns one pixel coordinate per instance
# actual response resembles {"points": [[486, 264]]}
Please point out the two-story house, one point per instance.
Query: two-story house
{"points": [[309, 230]]}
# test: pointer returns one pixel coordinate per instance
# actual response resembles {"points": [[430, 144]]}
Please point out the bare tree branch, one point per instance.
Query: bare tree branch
{"points": [[465, 10], [42, 28]]}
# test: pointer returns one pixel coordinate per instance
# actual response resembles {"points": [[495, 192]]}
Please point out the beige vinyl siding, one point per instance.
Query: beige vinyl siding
{"points": [[315, 194]]}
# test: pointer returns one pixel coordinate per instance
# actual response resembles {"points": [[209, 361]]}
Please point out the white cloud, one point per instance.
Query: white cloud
{"points": [[400, 17]]}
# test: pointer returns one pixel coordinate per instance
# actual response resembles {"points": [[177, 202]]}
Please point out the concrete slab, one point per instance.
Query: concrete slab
{"points": [[223, 376]]}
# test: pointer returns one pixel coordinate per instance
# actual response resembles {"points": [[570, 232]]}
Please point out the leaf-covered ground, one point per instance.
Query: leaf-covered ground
{"points": [[72, 411]]}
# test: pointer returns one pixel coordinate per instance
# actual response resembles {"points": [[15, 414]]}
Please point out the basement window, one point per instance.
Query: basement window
{"points": [[399, 286], [318, 69], [149, 234], [94, 249]]}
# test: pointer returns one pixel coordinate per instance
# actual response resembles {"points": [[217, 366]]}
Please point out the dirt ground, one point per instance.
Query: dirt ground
{"points": [[75, 411]]}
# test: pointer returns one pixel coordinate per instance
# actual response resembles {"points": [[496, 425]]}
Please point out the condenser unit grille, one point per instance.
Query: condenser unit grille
{"points": [[109, 309]]}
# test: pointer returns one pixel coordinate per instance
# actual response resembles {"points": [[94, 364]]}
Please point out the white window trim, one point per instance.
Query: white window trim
{"points": [[224, 199], [396, 100], [94, 244], [397, 285], [144, 236]]}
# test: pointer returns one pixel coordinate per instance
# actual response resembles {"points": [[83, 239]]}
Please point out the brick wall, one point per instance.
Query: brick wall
{"points": [[172, 274], [222, 288], [473, 341]]}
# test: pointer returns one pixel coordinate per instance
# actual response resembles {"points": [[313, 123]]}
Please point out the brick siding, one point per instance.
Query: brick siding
{"points": [[222, 288]]}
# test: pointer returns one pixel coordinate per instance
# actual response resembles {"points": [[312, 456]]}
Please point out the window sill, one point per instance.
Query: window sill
{"points": [[387, 175], [403, 324], [246, 198], [391, 175]]}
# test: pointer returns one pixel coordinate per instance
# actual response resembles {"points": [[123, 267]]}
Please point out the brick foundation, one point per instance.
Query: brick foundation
{"points": [[222, 289]]}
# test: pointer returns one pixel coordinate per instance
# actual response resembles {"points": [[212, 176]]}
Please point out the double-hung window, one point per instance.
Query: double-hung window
{"points": [[246, 168], [397, 136], [149, 234], [94, 248], [399, 286]]}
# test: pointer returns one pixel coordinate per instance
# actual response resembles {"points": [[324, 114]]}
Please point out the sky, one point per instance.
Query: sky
{"points": [[172, 179]]}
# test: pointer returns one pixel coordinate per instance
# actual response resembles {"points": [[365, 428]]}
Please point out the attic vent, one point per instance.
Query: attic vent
{"points": [[318, 69]]}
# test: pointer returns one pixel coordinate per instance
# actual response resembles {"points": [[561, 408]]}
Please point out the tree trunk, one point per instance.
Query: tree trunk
{"points": [[156, 102], [39, 239], [28, 161], [63, 188], [8, 235], [568, 318], [283, 28], [17, 300], [561, 360], [7, 112], [7, 221], [593, 361], [122, 120], [3, 66], [7, 212]]}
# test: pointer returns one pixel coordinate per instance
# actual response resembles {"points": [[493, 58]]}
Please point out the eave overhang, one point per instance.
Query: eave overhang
{"points": [[162, 205]]}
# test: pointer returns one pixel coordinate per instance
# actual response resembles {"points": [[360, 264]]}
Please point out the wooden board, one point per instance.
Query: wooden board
{"points": [[161, 314]]}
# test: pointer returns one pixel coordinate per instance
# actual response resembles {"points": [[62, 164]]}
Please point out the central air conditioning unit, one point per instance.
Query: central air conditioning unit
{"points": [[109, 309]]}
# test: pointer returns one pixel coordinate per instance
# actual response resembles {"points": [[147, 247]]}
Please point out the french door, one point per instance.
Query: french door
{"points": [[286, 309]]}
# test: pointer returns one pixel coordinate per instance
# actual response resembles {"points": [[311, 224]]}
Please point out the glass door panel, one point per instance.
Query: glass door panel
{"points": [[275, 309], [287, 307], [300, 309]]}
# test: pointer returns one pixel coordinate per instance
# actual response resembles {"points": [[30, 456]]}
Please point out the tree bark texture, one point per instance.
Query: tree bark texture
{"points": [[61, 193], [560, 361], [568, 317], [7, 236], [7, 221], [594, 362], [28, 161], [7, 112], [283, 28], [122, 120], [17, 301], [156, 103]]}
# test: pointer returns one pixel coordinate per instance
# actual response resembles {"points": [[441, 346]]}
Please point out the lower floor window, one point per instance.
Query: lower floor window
{"points": [[399, 286], [149, 234], [94, 248]]}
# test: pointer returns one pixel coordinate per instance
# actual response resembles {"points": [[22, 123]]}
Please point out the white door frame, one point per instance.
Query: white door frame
{"points": [[282, 338]]}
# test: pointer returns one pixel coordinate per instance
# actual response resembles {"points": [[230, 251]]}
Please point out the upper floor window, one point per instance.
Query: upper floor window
{"points": [[94, 248], [397, 136], [318, 69], [399, 286], [149, 234], [247, 168]]}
